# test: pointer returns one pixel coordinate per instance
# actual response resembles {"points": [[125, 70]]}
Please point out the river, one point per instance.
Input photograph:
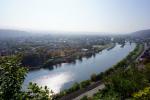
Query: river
{"points": [[63, 76]]}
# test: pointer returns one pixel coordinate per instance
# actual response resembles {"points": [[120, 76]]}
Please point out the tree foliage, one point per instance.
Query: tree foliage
{"points": [[125, 82], [142, 94], [35, 92], [12, 76]]}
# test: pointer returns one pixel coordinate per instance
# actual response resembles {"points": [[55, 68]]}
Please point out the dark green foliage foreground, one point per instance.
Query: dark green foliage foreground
{"points": [[11, 79], [130, 84], [123, 83], [12, 76]]}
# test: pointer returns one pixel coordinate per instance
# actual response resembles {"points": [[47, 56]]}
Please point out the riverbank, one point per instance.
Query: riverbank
{"points": [[78, 94], [111, 46], [78, 55]]}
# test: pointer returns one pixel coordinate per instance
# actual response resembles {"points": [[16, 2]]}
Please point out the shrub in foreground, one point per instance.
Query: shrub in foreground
{"points": [[85, 83]]}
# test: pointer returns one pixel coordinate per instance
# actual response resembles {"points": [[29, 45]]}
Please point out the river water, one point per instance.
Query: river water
{"points": [[63, 76]]}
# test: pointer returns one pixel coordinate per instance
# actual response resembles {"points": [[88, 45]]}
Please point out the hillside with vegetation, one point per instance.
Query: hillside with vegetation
{"points": [[141, 34]]}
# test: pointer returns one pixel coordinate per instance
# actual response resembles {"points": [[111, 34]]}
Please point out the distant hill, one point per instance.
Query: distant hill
{"points": [[13, 33], [142, 33], [8, 33]]}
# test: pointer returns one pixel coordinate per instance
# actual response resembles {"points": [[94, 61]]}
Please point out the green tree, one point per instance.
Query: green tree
{"points": [[126, 82], [35, 92], [147, 71], [142, 94], [85, 83], [93, 77], [12, 76]]}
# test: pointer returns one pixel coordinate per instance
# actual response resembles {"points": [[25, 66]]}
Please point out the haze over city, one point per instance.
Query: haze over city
{"points": [[115, 16]]}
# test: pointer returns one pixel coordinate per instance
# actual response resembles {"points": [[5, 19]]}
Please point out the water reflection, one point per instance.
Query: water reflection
{"points": [[55, 81]]}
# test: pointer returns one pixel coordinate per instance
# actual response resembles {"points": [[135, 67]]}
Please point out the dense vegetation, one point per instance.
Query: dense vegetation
{"points": [[12, 76], [129, 82]]}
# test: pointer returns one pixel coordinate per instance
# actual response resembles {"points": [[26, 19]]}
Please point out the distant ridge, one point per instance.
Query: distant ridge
{"points": [[142, 33], [10, 33], [7, 33]]}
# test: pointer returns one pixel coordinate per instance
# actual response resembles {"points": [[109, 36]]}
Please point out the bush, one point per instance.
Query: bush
{"points": [[94, 77], [100, 76], [147, 71], [61, 94], [85, 83], [142, 94], [84, 98], [75, 87], [35, 92], [126, 82]]}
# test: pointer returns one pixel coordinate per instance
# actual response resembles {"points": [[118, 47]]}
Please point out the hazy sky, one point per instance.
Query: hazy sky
{"points": [[76, 15]]}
